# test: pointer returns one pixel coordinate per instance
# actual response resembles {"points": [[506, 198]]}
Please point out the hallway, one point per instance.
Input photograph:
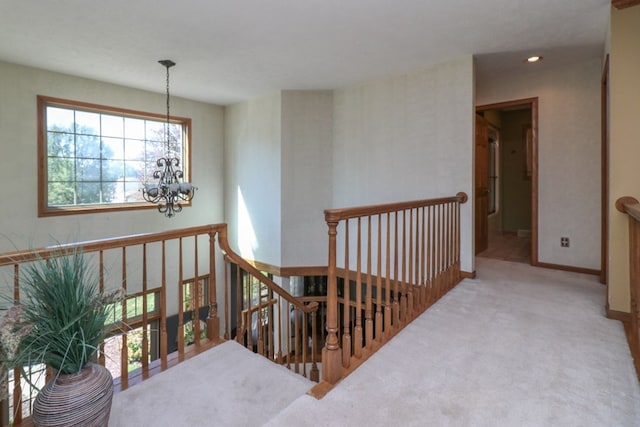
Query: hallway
{"points": [[508, 246], [517, 346]]}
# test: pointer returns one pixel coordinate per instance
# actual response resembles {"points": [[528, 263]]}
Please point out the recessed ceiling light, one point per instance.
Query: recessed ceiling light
{"points": [[533, 59]]}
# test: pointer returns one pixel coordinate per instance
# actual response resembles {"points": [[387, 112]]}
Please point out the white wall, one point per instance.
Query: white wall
{"points": [[624, 145], [20, 227], [407, 137], [253, 178], [307, 118], [568, 156]]}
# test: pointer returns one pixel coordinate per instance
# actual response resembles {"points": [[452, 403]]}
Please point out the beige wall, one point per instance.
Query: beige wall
{"points": [[399, 138], [407, 137], [624, 144], [20, 226], [568, 155], [278, 179], [253, 141], [307, 143]]}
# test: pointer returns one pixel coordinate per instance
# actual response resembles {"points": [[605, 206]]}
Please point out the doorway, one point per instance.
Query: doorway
{"points": [[507, 174]]}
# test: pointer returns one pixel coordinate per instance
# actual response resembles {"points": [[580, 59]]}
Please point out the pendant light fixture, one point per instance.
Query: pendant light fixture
{"points": [[168, 191]]}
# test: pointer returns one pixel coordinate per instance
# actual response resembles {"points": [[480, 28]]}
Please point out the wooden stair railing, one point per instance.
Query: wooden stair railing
{"points": [[269, 320], [387, 264], [173, 282], [631, 207]]}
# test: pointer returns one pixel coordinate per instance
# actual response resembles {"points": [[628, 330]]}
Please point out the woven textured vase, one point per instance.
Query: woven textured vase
{"points": [[82, 399]]}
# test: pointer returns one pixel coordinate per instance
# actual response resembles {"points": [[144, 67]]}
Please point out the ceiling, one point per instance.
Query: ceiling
{"points": [[233, 50]]}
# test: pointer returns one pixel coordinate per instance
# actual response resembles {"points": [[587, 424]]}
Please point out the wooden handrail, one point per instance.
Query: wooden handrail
{"points": [[155, 264], [399, 258], [630, 206], [108, 243], [332, 215], [237, 259]]}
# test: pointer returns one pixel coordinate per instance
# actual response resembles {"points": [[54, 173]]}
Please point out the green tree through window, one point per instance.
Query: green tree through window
{"points": [[77, 170], [95, 158]]}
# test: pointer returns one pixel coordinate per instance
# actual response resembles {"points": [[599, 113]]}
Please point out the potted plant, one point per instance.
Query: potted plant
{"points": [[62, 314]]}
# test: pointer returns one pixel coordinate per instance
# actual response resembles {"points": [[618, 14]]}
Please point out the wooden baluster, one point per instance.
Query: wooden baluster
{"points": [[427, 256], [445, 243], [434, 253], [396, 303], [331, 353], [379, 289], [17, 385], [457, 240], [272, 326], [368, 307], [163, 310], [346, 292], [101, 358], [17, 397], [432, 260], [304, 342], [417, 284], [634, 272], [403, 284], [260, 343], [314, 374], [213, 318], [227, 314], [124, 351], [240, 325], [424, 302], [196, 294], [296, 340], [445, 247], [387, 303], [249, 317], [410, 282], [280, 332], [451, 246], [439, 252], [289, 334], [180, 302], [357, 331], [145, 318]]}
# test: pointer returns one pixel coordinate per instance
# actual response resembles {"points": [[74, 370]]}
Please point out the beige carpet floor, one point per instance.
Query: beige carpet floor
{"points": [[225, 386], [518, 346]]}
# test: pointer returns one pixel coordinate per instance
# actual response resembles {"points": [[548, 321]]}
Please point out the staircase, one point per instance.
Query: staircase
{"points": [[227, 385], [519, 345]]}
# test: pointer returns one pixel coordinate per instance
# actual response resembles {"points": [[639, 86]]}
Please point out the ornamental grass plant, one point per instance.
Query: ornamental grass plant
{"points": [[62, 313]]}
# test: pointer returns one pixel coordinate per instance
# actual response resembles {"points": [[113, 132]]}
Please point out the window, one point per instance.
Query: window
{"points": [[96, 158]]}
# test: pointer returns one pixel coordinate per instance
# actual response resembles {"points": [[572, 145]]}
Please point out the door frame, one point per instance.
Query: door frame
{"points": [[604, 129], [533, 104]]}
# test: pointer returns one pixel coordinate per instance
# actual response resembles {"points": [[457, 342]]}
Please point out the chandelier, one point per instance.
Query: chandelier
{"points": [[168, 191]]}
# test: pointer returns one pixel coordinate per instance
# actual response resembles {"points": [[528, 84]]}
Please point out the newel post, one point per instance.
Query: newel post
{"points": [[213, 320], [332, 353]]}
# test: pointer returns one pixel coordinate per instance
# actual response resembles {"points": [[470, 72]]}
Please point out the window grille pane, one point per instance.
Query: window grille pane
{"points": [[134, 128], [87, 123], [112, 126], [59, 118]]}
